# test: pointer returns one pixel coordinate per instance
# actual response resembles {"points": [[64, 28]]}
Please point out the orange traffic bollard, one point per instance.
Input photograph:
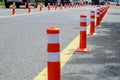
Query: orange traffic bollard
{"points": [[41, 7], [92, 23], [29, 8], [53, 55], [69, 5], [13, 9], [35, 5], [53, 5], [98, 18], [48, 6], [72, 5], [83, 38], [56, 6], [65, 6], [25, 6], [60, 6], [101, 12]]}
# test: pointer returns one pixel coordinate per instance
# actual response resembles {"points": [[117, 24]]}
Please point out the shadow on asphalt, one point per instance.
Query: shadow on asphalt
{"points": [[103, 62]]}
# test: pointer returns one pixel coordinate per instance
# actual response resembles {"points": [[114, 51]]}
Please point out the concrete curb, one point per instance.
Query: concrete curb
{"points": [[115, 6], [2, 6]]}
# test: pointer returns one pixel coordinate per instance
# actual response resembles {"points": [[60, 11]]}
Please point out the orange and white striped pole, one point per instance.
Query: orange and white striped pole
{"points": [[53, 55], [104, 10], [56, 5], [92, 22], [35, 5], [65, 6], [25, 6], [101, 11], [98, 18], [48, 6], [29, 8], [83, 33], [53, 5], [13, 9], [75, 5], [41, 7], [72, 5], [68, 6], [60, 6]]}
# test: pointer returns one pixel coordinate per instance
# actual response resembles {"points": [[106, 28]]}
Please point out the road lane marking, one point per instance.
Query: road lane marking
{"points": [[8, 16], [4, 11], [18, 15], [64, 56]]}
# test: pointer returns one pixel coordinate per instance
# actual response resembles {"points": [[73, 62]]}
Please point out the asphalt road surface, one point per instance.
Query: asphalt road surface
{"points": [[103, 62], [23, 39], [23, 44]]}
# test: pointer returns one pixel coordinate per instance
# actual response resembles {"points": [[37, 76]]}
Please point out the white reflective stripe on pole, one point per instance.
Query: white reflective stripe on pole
{"points": [[100, 12], [92, 19], [98, 15], [92, 14], [53, 56], [53, 38], [83, 28], [82, 19]]}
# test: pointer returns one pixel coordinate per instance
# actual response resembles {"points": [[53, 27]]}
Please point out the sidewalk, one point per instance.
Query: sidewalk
{"points": [[103, 62]]}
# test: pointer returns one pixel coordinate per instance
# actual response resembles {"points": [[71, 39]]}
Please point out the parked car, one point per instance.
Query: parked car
{"points": [[19, 2], [95, 2], [117, 2], [66, 2], [104, 2], [77, 1], [58, 2], [51, 2]]}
